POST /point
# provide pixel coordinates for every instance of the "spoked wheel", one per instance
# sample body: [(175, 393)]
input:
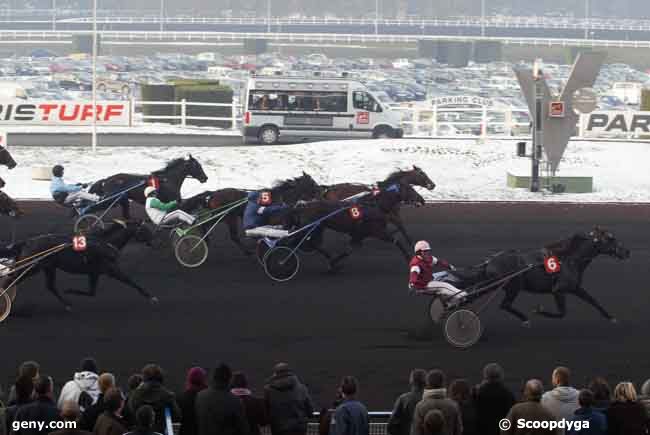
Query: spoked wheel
[(5, 305), (191, 251), (281, 263), (436, 309), (261, 248), (88, 222), (463, 328)]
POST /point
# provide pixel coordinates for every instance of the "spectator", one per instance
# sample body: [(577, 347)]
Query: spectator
[(254, 407), (83, 387), (435, 397), (561, 401), (626, 415), (43, 409), (135, 380), (27, 368), (587, 415), (402, 415), (106, 381), (24, 394), (602, 393), (287, 402), (153, 392), (434, 423), (645, 395), (111, 422), (145, 417), (461, 392), (351, 416), (3, 416), (196, 381), (70, 413), (530, 410), (493, 399), (218, 411)]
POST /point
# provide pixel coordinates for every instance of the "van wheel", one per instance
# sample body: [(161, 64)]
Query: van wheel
[(381, 133), (269, 135)]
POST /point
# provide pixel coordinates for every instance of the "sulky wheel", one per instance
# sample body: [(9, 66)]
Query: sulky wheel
[(191, 251), (281, 263), (5, 305), (87, 222), (436, 310), (462, 328)]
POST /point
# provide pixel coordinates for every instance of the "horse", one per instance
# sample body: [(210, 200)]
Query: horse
[(575, 254), (100, 257), (290, 191), (6, 158), (415, 177), (370, 221), (169, 181)]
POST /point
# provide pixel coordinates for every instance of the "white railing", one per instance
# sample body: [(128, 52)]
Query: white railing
[(138, 118)]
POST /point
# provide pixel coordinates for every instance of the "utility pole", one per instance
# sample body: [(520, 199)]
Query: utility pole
[(162, 15), (94, 77), (587, 14), (538, 129)]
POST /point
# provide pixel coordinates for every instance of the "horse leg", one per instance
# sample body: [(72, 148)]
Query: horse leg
[(334, 265), (506, 305), (582, 294), (397, 222), (116, 273), (560, 301), (93, 279), (386, 237), (50, 283)]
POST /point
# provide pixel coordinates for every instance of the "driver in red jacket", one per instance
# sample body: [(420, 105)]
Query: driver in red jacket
[(422, 280)]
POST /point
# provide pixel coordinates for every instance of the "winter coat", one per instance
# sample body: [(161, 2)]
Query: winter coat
[(493, 401), (562, 402), (437, 399), (42, 409), (10, 414), (256, 215), (110, 424), (351, 418), (529, 411), (157, 396), (402, 415), (187, 403), (219, 412), (81, 382), (254, 408), (89, 416), (469, 417), (288, 404), (627, 418), (595, 419)]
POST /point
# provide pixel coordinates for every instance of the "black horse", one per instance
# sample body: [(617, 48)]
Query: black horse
[(100, 257), (575, 254), (369, 218), (6, 159), (169, 181), (302, 188), (415, 177)]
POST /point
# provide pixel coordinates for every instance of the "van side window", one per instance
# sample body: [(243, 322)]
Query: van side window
[(364, 101)]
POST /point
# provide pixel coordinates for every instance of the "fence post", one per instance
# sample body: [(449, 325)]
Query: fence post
[(234, 115), (131, 111), (183, 113), (434, 121), (484, 123)]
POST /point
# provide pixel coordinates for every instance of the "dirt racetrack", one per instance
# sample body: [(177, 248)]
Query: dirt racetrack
[(360, 321)]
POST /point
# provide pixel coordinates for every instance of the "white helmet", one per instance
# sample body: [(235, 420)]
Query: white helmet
[(422, 245), (149, 190)]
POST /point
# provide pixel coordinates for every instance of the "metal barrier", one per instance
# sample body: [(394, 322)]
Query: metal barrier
[(137, 118)]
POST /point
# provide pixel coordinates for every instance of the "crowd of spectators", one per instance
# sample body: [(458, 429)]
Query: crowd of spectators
[(223, 403)]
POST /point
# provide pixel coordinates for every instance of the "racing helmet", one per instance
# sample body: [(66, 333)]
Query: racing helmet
[(57, 171), (149, 190), (422, 245)]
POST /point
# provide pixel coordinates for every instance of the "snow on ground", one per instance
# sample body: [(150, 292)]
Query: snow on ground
[(462, 170)]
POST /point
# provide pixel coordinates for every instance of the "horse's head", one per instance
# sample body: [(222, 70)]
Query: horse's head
[(606, 243), (6, 158), (194, 169), (420, 178), (410, 196), (302, 188)]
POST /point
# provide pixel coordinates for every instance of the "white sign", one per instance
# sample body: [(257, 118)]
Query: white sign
[(613, 122), (461, 100), (38, 112)]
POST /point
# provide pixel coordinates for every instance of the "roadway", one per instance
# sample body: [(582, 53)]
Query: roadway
[(360, 321)]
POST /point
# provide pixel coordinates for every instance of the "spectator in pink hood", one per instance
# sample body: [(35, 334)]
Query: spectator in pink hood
[(196, 380)]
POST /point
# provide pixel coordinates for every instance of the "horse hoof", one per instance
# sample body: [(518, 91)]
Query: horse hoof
[(154, 300), (526, 324)]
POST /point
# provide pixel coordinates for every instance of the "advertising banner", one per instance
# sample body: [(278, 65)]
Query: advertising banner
[(60, 112)]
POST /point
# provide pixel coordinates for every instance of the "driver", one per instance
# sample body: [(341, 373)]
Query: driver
[(422, 280), (164, 212), (68, 193), (258, 213)]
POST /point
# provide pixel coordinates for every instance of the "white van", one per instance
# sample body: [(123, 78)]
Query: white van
[(314, 108)]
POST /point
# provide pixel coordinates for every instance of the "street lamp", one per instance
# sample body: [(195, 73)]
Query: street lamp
[(587, 14), (162, 14)]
